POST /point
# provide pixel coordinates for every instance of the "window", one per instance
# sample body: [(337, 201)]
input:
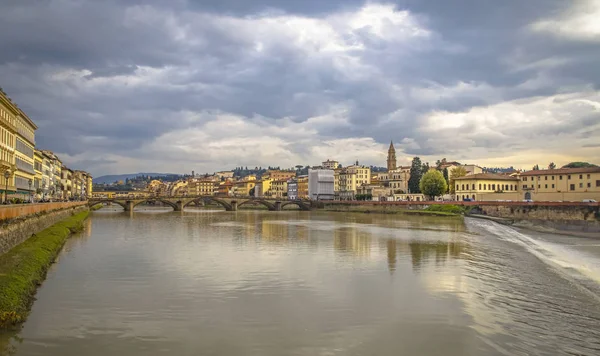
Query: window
[(552, 186), (572, 187), (560, 177), (463, 187), (598, 183), (580, 185), (524, 179), (493, 186), (539, 186), (545, 177), (473, 186), (589, 185), (569, 177), (552, 177), (581, 176), (546, 186), (588, 176), (479, 186)]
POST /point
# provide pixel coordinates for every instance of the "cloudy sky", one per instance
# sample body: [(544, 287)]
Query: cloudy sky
[(122, 86)]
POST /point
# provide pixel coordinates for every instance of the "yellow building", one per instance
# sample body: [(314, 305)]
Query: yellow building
[(24, 155), (38, 160), (303, 187), (8, 129), (278, 189), (348, 184), (363, 174), (476, 186), (564, 184), (280, 175), (263, 187), (89, 185), (243, 188)]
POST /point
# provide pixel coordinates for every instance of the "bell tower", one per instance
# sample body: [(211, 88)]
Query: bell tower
[(391, 159)]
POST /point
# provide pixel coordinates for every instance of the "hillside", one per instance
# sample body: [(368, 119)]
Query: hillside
[(114, 178)]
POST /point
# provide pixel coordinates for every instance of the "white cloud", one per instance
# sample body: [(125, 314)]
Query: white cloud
[(581, 22)]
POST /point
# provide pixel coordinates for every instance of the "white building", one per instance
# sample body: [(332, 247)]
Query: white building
[(321, 184), (292, 189)]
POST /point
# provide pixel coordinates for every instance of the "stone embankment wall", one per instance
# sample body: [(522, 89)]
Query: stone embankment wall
[(560, 217), (19, 222)]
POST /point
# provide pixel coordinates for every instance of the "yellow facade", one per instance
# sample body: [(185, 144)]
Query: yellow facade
[(8, 129), (566, 184), (243, 188), (363, 174), (24, 174), (263, 187), (39, 171), (280, 175), (278, 189), (348, 184), (476, 185), (303, 187)]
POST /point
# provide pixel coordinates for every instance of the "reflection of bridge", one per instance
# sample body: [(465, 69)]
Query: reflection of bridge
[(178, 203)]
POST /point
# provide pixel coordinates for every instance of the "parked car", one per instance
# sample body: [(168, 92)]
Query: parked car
[(590, 201)]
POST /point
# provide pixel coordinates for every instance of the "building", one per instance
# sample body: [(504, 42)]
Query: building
[(329, 164), (8, 129), (54, 175), (225, 189), (38, 168), (564, 184), (279, 189), (374, 192), (321, 184), (262, 187), (363, 174), (24, 174), (477, 186), (397, 180), (243, 188), (292, 189), (66, 183), (47, 175), (472, 169), (89, 185), (280, 175), (347, 184), (391, 158), (224, 175), (303, 187)]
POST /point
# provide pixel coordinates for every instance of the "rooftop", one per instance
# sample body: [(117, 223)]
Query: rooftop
[(561, 171), (487, 176)]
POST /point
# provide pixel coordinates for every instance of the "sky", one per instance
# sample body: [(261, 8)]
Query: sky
[(124, 86)]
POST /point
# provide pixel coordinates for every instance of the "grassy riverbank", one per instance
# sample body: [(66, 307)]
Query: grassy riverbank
[(433, 210), (24, 267)]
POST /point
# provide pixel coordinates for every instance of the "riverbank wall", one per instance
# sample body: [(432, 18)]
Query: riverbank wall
[(24, 267), (561, 216), (19, 222)]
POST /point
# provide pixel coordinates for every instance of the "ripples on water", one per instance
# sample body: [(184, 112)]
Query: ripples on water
[(294, 283)]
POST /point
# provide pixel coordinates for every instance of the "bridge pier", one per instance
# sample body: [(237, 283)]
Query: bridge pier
[(178, 206), (277, 206), (234, 205), (129, 205)]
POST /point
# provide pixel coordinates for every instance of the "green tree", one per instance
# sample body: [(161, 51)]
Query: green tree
[(433, 184), (416, 172), (552, 165), (445, 173), (579, 165), (536, 168), (456, 172)]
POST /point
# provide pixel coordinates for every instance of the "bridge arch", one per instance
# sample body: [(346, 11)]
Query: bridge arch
[(226, 205), (166, 202), (259, 201), (92, 203), (302, 205)]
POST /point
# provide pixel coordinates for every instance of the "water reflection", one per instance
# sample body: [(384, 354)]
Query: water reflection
[(297, 283)]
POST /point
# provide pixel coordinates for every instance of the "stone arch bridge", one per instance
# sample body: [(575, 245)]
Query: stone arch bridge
[(179, 203)]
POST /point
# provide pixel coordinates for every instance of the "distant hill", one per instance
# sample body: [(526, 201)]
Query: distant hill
[(114, 178)]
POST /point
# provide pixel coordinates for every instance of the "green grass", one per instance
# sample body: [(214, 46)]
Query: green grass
[(24, 267), (450, 209)]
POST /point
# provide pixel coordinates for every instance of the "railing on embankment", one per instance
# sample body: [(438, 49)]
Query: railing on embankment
[(461, 203), (21, 210)]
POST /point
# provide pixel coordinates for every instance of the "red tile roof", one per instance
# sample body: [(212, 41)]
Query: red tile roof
[(487, 176), (561, 171)]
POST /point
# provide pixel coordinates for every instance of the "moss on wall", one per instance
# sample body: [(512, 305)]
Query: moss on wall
[(24, 267)]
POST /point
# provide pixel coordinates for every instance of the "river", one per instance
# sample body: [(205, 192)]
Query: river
[(204, 282)]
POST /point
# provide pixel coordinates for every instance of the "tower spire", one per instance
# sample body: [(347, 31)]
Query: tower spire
[(391, 159)]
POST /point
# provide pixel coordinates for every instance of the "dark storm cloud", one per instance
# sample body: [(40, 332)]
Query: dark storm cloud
[(112, 76)]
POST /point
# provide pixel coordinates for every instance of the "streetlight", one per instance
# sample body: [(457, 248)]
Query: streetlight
[(6, 175), (30, 196)]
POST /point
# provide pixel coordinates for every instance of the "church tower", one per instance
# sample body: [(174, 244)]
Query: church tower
[(391, 160)]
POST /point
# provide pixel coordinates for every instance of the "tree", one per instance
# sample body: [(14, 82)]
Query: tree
[(415, 176), (456, 172), (536, 168), (579, 165), (433, 184), (445, 173), (552, 165)]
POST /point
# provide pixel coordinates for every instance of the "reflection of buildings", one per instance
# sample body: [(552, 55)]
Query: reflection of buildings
[(391, 254), (422, 253), (350, 240)]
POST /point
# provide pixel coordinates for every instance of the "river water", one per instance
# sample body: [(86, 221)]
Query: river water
[(203, 282)]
